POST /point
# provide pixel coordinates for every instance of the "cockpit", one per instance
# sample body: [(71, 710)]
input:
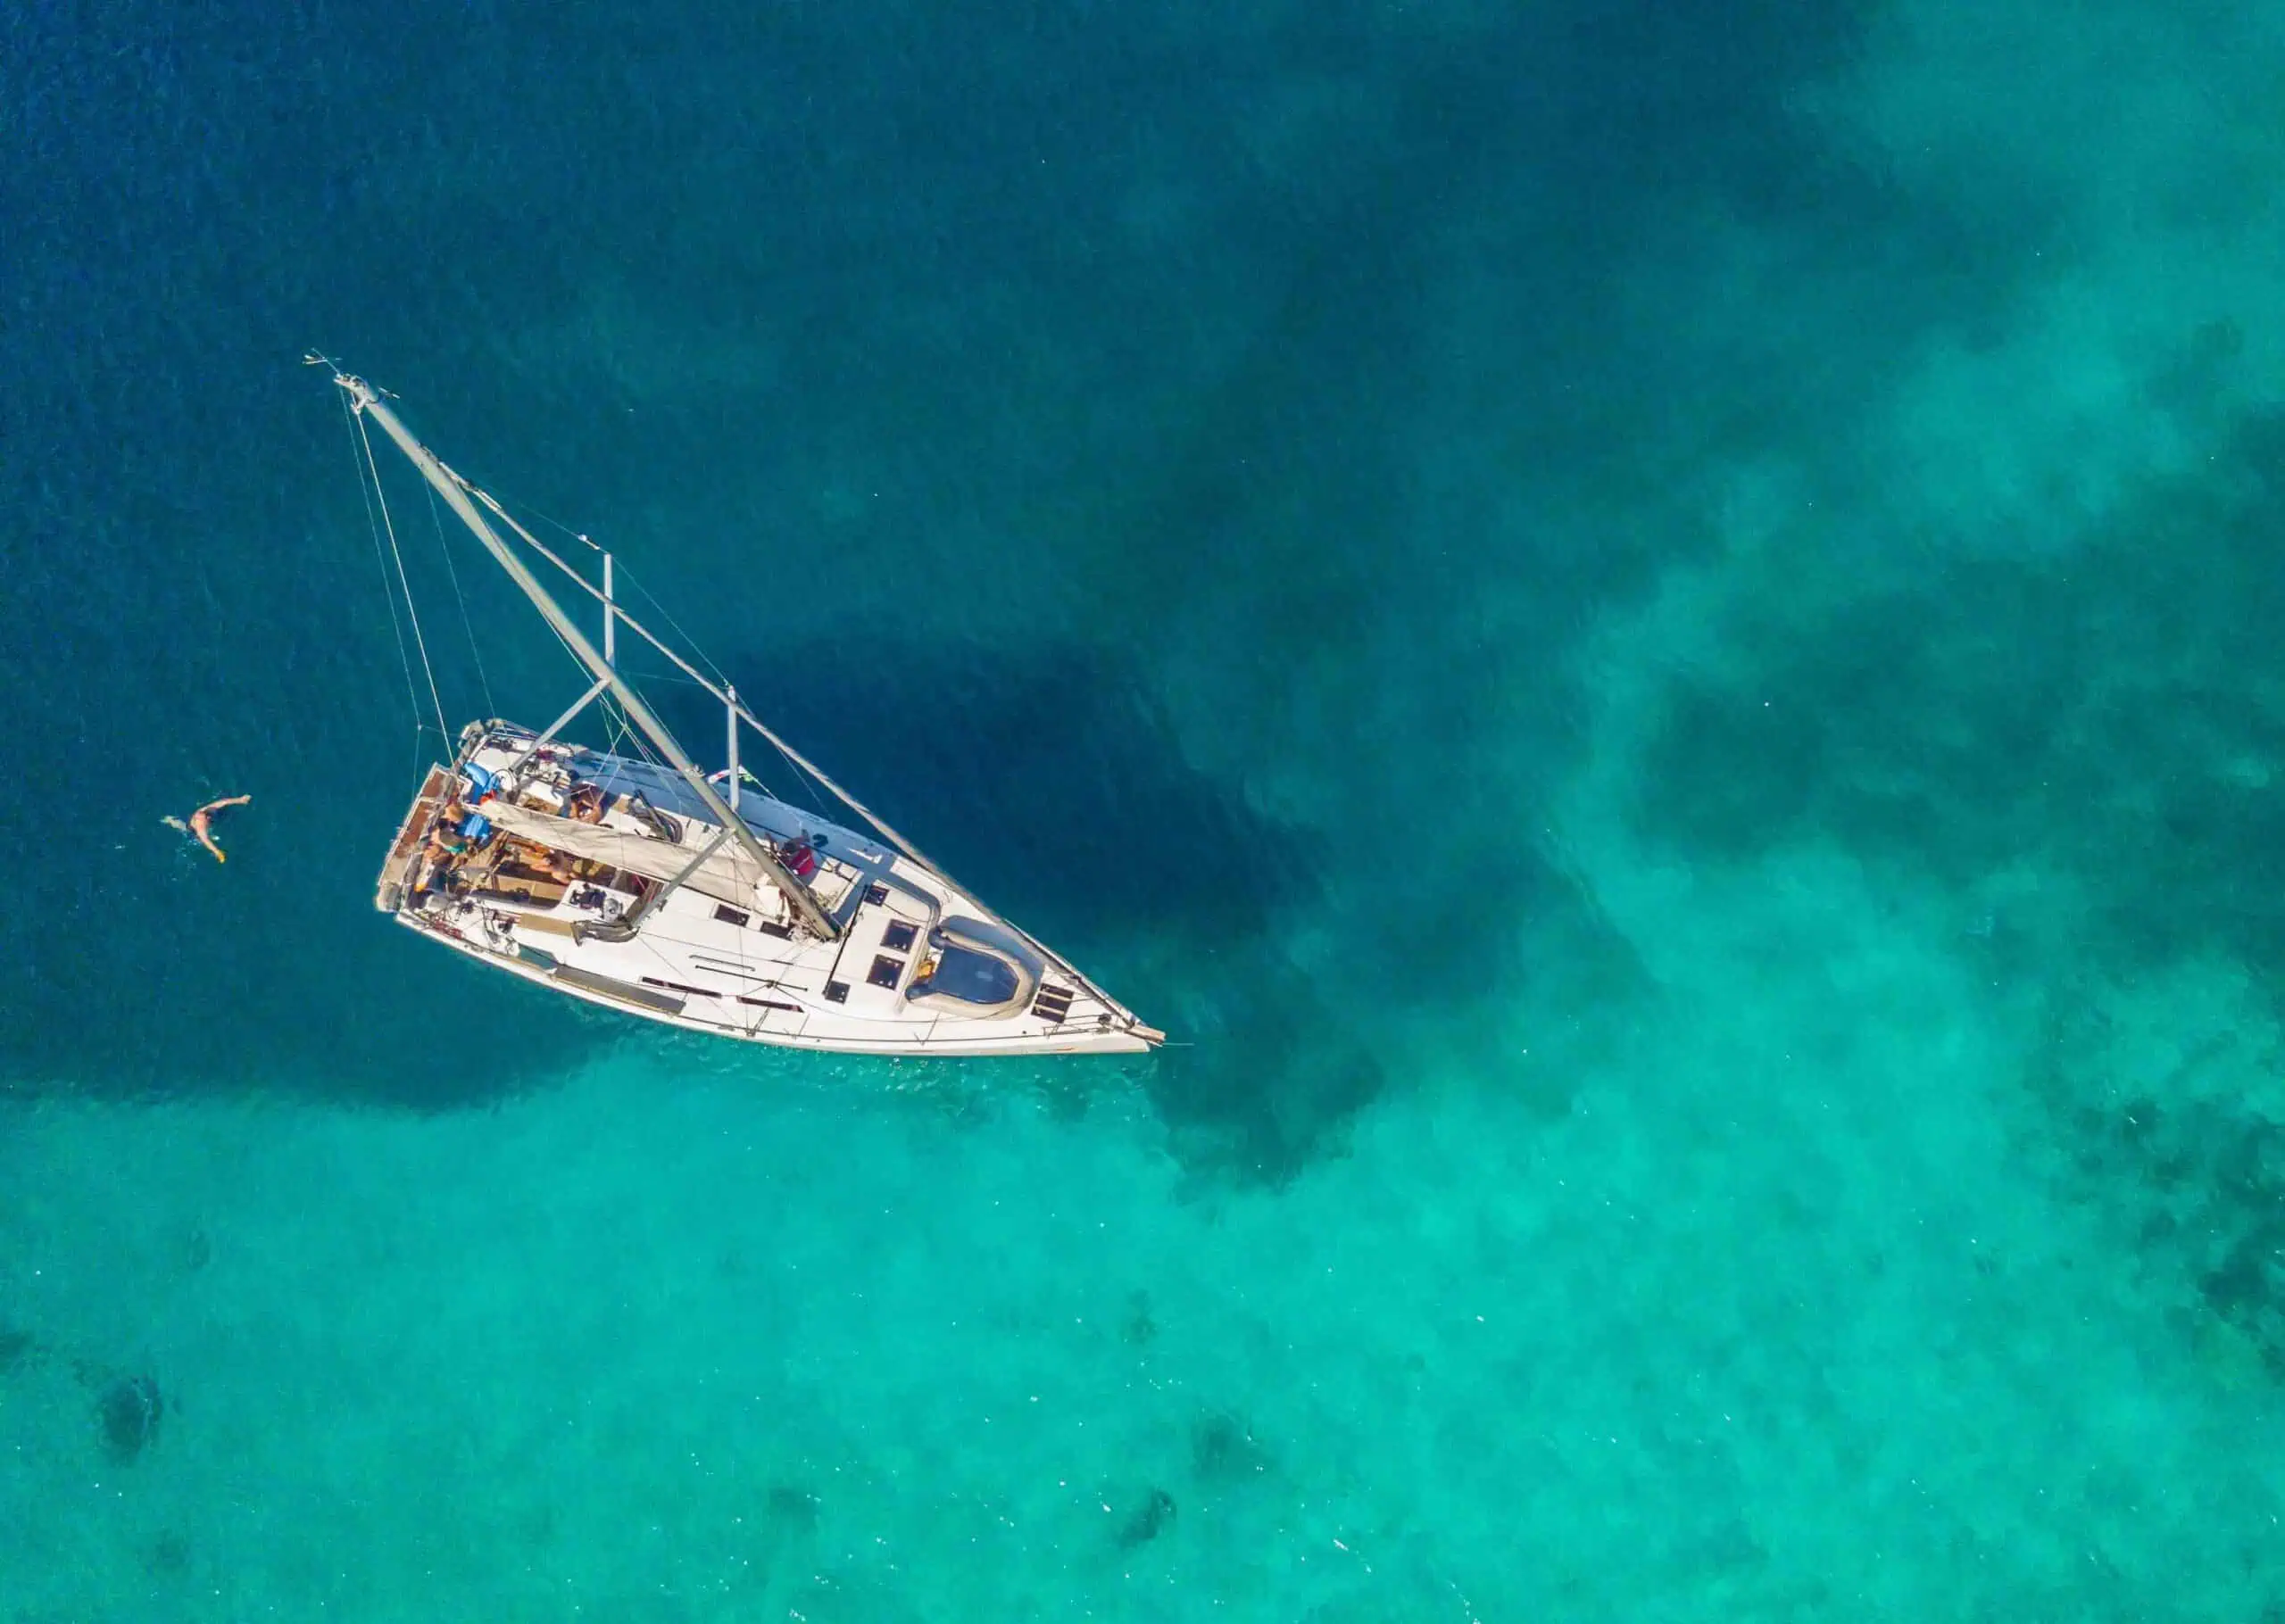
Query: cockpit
[(976, 969)]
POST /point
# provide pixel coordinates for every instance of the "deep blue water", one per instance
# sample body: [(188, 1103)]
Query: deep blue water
[(689, 286), (1650, 631)]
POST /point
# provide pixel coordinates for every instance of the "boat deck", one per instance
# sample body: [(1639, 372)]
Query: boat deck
[(912, 969)]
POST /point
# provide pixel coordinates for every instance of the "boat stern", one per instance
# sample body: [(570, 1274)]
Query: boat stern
[(404, 850)]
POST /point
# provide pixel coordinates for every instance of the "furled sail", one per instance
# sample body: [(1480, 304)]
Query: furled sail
[(728, 875)]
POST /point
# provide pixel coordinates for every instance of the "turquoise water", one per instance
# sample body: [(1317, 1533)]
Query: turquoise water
[(1652, 635)]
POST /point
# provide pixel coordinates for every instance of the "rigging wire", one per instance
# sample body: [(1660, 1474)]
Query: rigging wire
[(478, 494), (620, 568), (552, 522), (412, 613), (396, 621), (569, 653), (619, 732), (622, 731), (474, 652), (688, 642)]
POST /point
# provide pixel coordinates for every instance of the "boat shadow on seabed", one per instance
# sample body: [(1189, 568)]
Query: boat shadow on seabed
[(1063, 790)]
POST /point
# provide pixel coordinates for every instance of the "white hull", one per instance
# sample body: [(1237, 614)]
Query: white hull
[(730, 959), (951, 1046)]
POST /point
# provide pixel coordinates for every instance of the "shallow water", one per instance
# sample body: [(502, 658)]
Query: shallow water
[(1652, 638)]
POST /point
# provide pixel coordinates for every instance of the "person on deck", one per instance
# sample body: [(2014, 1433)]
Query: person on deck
[(586, 803), (540, 859), (444, 837), (200, 826)]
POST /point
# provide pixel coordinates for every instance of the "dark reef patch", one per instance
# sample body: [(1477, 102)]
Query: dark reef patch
[(168, 1556), (1138, 1327), (1223, 1449), (791, 1509), (2111, 717), (1098, 835), (2180, 1153), (1148, 1521), (2115, 713), (130, 1409)]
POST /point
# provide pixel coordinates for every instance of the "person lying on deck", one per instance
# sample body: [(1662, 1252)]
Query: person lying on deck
[(540, 859), (200, 826)]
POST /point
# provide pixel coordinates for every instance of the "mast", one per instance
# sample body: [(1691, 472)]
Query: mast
[(611, 618), (732, 780), (448, 485)]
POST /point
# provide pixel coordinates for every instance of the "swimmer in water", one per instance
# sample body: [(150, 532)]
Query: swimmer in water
[(200, 826)]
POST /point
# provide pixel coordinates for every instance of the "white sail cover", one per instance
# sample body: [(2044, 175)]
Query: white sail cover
[(728, 875)]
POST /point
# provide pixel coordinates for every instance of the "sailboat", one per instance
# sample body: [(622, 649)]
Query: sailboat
[(643, 883)]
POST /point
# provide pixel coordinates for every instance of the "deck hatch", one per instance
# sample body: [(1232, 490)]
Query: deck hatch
[(900, 936), (886, 972), (627, 992), (696, 992)]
